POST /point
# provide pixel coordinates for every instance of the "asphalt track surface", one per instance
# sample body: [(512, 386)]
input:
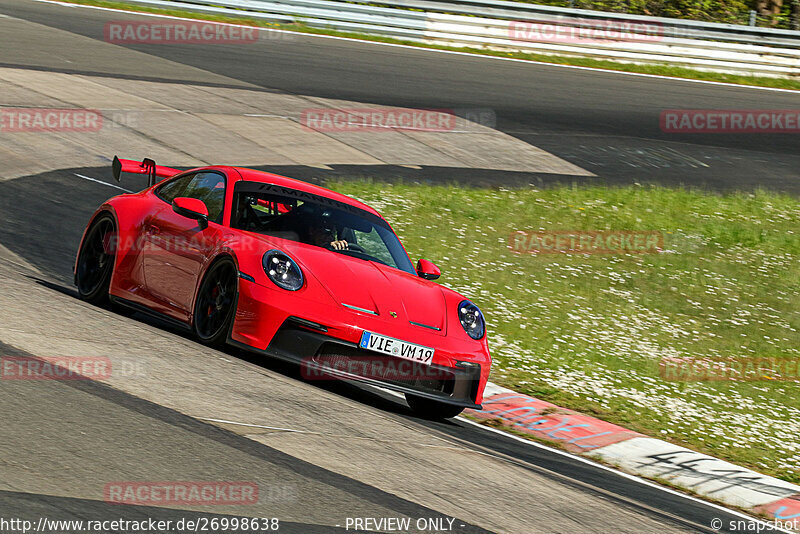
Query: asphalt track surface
[(606, 123), (57, 435)]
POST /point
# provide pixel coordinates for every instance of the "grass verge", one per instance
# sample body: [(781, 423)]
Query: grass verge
[(588, 332), (661, 70)]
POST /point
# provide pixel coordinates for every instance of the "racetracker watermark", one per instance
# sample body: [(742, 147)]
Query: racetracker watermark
[(178, 32), (730, 369), (389, 119), (326, 367), (50, 120), (586, 242), (175, 244), (181, 493), (730, 121), (54, 368), (585, 31), (378, 119)]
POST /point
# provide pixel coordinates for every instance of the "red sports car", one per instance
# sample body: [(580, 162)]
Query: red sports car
[(290, 270)]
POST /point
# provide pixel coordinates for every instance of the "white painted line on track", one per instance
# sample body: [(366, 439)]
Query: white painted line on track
[(264, 115), (435, 50), (223, 421), (101, 182)]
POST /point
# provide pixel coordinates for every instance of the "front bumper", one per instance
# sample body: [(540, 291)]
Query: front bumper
[(323, 357), (305, 328)]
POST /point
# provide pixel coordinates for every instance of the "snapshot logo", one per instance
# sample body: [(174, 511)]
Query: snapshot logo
[(54, 368), (177, 32), (730, 121), (586, 242), (585, 31), (752, 369), (761, 525), (181, 493), (50, 120)]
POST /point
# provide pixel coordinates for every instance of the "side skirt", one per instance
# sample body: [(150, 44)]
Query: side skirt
[(135, 306)]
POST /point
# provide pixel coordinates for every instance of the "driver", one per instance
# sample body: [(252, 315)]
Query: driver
[(320, 231), (243, 217)]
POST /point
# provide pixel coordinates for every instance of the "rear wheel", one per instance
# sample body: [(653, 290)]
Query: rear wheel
[(431, 409), (215, 303), (96, 261)]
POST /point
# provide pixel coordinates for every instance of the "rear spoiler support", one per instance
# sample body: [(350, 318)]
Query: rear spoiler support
[(146, 166)]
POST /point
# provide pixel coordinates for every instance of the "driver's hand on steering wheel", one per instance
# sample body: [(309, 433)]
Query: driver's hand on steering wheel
[(339, 245)]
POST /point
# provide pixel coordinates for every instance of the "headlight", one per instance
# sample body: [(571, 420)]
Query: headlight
[(471, 319), (282, 270)]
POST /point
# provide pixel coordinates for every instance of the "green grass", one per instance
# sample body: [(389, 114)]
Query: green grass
[(587, 332), (661, 70)]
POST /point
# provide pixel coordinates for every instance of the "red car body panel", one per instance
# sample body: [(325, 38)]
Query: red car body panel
[(161, 258)]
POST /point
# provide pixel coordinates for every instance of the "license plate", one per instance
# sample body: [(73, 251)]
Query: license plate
[(396, 347)]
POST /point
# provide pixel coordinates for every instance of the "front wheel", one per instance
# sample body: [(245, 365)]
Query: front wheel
[(215, 303), (96, 261), (431, 409)]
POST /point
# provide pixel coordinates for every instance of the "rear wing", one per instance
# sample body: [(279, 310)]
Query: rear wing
[(146, 166)]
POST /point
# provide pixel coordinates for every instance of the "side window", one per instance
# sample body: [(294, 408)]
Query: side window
[(373, 245), (174, 188), (210, 188)]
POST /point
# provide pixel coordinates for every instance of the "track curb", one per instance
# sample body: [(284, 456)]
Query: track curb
[(644, 456)]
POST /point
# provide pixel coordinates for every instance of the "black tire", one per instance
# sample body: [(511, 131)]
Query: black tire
[(431, 409), (96, 259), (215, 304)]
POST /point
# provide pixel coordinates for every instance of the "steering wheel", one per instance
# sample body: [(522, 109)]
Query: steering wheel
[(357, 248)]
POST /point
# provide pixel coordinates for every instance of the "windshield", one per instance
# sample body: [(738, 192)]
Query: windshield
[(315, 220)]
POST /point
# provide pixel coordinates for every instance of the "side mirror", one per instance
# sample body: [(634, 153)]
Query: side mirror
[(428, 270), (191, 208)]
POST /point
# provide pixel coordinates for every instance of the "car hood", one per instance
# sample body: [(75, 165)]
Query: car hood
[(374, 287)]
